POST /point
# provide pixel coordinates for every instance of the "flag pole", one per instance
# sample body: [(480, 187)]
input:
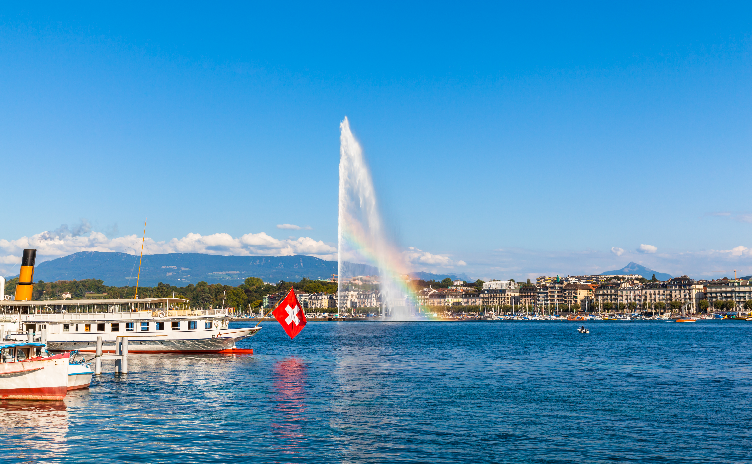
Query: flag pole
[(273, 309)]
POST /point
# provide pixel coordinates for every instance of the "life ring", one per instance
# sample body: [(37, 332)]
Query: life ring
[(160, 314)]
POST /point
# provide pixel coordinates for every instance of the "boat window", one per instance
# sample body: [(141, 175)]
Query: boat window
[(66, 327), (144, 326), (100, 327), (192, 325), (160, 325), (208, 325), (114, 327), (176, 325), (129, 326), (87, 327), (76, 328)]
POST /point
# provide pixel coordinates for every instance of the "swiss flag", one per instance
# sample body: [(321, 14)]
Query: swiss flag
[(290, 315)]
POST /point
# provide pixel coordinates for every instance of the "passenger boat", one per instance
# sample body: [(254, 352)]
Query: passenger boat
[(28, 374), (152, 325), (685, 320)]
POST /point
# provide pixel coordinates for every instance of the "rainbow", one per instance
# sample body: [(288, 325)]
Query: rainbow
[(360, 232)]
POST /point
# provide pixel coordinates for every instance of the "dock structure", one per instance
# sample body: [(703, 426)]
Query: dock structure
[(120, 356)]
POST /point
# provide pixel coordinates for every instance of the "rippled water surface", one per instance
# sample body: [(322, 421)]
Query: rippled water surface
[(426, 392)]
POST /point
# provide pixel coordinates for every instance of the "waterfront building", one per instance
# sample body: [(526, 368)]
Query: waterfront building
[(499, 285), (736, 290), (527, 295), (574, 294)]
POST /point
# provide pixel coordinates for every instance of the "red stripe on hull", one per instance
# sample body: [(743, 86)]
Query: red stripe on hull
[(78, 387), (41, 393), (237, 351), (228, 351)]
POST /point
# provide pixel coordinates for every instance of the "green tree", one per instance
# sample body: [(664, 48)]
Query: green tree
[(236, 298), (202, 295), (654, 278), (660, 305), (446, 282), (675, 305), (747, 305), (253, 282), (632, 306), (479, 284), (704, 305)]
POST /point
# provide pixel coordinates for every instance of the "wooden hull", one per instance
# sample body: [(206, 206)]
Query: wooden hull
[(44, 379), (79, 376)]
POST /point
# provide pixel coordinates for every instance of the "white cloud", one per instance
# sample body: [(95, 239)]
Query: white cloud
[(738, 217), (293, 227), (421, 259), (617, 251), (646, 249), (520, 263), (55, 244)]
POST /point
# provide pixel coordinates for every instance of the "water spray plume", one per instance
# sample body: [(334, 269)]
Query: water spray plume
[(361, 234)]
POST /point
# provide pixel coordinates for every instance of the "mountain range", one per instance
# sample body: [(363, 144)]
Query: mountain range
[(635, 268), (181, 269)]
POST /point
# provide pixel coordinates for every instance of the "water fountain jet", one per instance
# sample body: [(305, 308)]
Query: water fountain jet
[(362, 237)]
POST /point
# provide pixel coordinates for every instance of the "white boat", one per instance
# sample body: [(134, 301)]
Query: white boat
[(79, 374), (152, 325), (27, 374)]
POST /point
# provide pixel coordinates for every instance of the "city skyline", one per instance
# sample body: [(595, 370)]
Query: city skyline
[(500, 148)]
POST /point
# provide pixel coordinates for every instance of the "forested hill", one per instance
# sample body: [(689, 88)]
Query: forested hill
[(180, 269)]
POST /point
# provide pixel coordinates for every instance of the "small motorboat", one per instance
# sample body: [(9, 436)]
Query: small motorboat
[(583, 330), (685, 320), (29, 373), (79, 372)]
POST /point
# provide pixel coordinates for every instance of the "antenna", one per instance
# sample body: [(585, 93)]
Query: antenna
[(136, 295)]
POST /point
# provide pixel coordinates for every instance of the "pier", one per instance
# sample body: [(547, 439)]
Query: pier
[(120, 356)]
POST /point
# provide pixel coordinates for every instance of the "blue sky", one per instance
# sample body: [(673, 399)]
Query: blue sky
[(517, 139)]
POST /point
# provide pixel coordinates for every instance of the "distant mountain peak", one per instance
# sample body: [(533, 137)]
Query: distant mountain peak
[(636, 268)]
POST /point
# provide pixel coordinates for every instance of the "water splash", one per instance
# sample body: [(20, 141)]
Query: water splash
[(361, 234)]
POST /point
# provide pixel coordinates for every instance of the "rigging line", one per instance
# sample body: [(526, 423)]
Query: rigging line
[(136, 295)]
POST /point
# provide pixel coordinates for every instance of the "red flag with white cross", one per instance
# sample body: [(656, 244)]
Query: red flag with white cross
[(290, 315)]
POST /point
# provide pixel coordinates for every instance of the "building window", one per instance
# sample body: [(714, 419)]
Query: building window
[(192, 325), (87, 327), (176, 325), (208, 325), (160, 326), (66, 327), (145, 326), (129, 326), (114, 327), (100, 327)]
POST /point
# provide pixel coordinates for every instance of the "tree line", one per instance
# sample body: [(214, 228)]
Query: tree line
[(248, 295)]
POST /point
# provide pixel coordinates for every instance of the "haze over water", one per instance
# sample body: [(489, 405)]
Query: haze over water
[(418, 391)]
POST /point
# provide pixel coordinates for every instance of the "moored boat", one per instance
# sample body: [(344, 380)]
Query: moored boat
[(28, 374), (685, 320), (152, 325), (79, 374)]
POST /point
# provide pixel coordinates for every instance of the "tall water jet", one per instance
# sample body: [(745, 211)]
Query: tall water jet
[(361, 234)]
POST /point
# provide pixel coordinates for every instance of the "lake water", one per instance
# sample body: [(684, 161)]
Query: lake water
[(416, 392)]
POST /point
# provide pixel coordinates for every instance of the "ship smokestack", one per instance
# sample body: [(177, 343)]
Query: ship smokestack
[(26, 277)]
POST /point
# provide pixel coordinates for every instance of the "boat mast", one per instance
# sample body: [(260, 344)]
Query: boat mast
[(136, 295)]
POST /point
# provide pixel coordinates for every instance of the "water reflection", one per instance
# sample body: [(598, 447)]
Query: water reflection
[(290, 404), (33, 430)]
